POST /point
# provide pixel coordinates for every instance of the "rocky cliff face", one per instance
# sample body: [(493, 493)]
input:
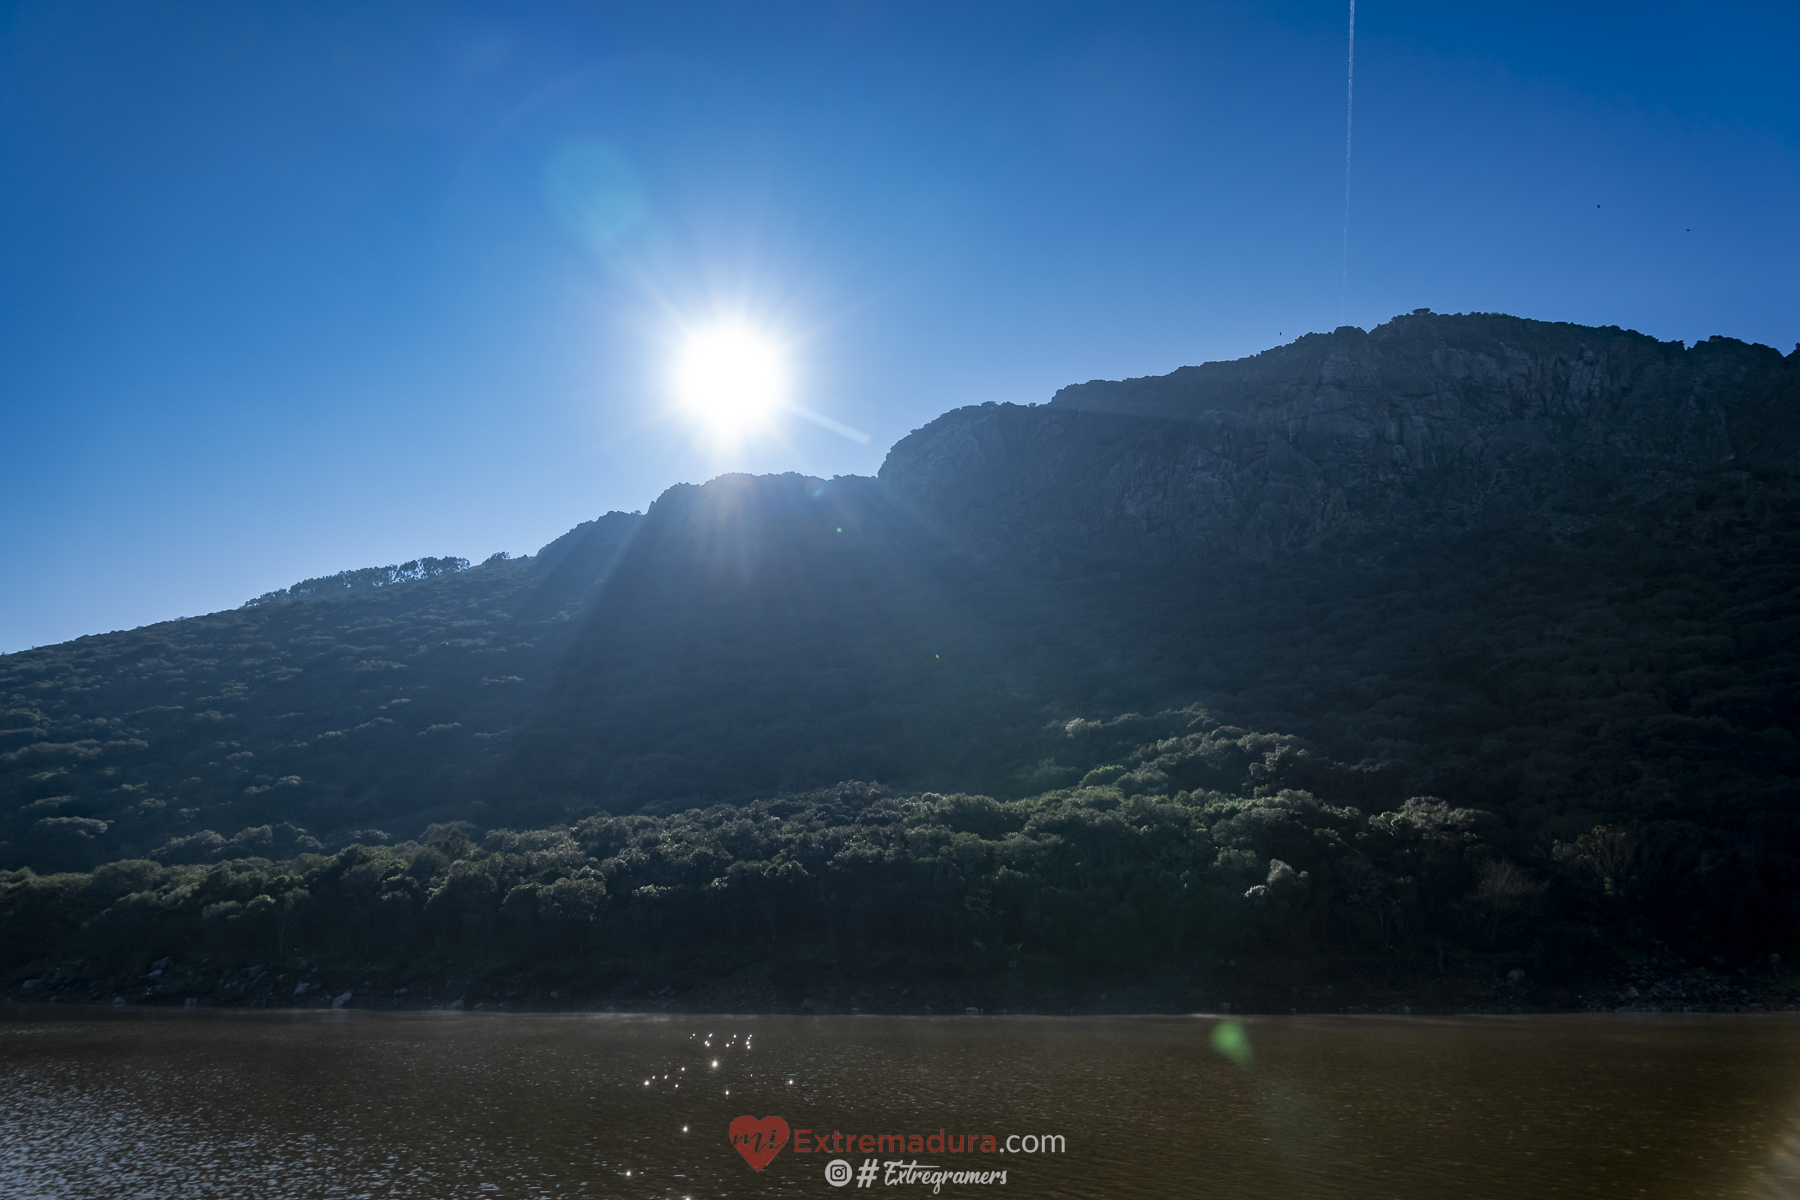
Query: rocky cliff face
[(1426, 423)]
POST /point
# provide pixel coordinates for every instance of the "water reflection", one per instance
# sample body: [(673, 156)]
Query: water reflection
[(98, 1104)]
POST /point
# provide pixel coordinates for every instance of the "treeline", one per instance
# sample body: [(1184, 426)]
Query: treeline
[(1082, 878), (365, 578)]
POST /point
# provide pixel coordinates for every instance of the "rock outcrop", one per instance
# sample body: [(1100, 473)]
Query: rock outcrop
[(1427, 423)]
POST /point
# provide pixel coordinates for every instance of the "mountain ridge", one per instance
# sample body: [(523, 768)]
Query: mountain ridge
[(1225, 664), (1592, 545), (1447, 422)]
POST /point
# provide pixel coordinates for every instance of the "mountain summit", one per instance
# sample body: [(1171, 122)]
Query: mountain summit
[(1428, 423)]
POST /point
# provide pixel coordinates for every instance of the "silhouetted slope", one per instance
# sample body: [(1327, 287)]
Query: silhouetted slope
[(1540, 570), (327, 714), (781, 633)]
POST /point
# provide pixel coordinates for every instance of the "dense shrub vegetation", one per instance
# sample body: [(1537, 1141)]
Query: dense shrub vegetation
[(1086, 876), (1143, 866)]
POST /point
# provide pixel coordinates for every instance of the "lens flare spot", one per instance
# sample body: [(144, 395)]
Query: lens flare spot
[(1229, 1039)]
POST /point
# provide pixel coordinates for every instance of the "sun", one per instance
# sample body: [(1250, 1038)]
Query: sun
[(730, 378)]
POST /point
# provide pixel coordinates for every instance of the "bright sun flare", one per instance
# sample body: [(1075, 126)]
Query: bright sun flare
[(730, 378)]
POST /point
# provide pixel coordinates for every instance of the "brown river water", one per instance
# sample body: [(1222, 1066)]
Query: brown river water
[(153, 1103)]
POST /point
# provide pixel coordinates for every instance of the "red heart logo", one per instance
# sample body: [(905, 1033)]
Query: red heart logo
[(759, 1141)]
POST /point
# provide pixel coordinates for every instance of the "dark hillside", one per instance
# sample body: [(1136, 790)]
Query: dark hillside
[(1467, 635), (784, 633), (342, 710)]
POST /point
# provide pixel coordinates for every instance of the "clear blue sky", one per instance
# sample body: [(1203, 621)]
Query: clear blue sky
[(291, 288)]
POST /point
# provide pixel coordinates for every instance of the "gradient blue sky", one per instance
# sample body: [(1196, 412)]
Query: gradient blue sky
[(292, 288)]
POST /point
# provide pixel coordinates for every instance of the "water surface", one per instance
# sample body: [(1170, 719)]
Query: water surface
[(437, 1105)]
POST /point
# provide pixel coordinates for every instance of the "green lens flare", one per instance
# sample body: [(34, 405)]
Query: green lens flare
[(1229, 1039)]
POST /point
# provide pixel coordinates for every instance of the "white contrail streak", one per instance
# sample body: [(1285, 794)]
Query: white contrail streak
[(1349, 113)]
